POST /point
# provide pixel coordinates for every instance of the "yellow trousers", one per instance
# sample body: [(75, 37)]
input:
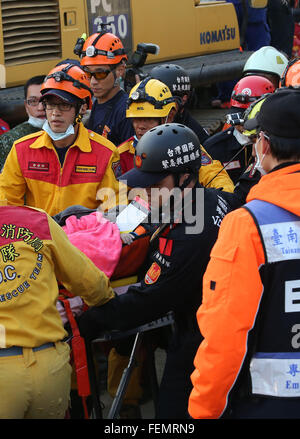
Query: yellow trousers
[(36, 385)]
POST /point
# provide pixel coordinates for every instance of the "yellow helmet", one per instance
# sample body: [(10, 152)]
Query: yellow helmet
[(150, 98), (252, 111)]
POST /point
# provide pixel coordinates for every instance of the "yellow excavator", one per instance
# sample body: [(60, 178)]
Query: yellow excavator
[(201, 36)]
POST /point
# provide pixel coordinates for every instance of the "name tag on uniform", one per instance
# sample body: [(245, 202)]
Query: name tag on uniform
[(276, 374), (235, 164), (85, 169)]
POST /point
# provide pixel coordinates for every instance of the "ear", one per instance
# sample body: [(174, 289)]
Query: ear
[(83, 109), (265, 146), (120, 70), (183, 177), (171, 115), (184, 99), (26, 107)]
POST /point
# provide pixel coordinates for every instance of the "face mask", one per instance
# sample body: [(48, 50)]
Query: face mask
[(58, 136), (36, 122), (258, 164)]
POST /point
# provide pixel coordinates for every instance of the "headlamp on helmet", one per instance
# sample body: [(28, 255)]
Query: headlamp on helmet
[(156, 98), (69, 78), (101, 48)]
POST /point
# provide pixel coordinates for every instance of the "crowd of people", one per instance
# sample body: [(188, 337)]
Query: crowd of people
[(222, 246)]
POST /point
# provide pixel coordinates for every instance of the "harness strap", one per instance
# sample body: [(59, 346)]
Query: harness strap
[(79, 357)]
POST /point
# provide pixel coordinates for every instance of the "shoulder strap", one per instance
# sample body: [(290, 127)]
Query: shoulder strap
[(79, 357)]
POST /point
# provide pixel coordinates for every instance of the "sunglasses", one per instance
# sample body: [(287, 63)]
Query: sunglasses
[(98, 75)]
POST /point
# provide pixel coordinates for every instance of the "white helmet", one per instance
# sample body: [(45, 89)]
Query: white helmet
[(267, 59)]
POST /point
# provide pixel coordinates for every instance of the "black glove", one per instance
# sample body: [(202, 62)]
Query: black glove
[(90, 323)]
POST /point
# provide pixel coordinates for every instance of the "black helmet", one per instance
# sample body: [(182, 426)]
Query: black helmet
[(166, 149), (174, 76)]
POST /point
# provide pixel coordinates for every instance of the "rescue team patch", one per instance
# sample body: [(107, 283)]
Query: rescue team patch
[(205, 159), (38, 166), (105, 131), (116, 167), (86, 169), (152, 274)]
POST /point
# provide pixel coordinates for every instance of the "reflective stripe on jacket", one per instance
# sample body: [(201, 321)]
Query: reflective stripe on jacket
[(232, 294)]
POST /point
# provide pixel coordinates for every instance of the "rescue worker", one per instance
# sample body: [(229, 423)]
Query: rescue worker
[(268, 62), (36, 117), (150, 104), (34, 359), (251, 285), (179, 254), (65, 164), (103, 58), (179, 83), (254, 34), (230, 146), (282, 26), (249, 114)]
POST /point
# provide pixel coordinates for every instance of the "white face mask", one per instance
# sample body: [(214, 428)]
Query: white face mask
[(58, 136), (258, 164), (36, 122)]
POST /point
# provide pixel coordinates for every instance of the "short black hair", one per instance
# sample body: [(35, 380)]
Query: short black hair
[(35, 80), (284, 149)]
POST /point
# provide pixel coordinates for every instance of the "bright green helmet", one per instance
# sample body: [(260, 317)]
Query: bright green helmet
[(251, 112)]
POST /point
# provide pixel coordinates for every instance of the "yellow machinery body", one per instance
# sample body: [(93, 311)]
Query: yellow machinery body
[(37, 34)]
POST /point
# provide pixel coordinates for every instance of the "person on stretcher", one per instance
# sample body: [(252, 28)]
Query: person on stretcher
[(115, 241)]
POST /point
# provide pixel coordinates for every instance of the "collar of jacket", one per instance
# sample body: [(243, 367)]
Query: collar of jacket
[(82, 140)]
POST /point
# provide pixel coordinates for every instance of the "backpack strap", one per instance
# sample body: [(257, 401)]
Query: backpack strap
[(79, 357)]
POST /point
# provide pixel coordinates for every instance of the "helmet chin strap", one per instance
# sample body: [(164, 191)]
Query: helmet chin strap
[(162, 226), (184, 185)]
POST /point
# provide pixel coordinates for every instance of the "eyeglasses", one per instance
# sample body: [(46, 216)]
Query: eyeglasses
[(62, 106), (98, 75), (33, 102)]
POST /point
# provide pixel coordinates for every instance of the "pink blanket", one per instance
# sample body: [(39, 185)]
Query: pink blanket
[(98, 238)]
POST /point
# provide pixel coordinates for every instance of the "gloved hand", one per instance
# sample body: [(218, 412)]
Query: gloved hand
[(90, 323), (127, 238)]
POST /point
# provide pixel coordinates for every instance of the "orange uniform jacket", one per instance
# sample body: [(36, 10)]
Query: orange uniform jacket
[(209, 169), (32, 170), (232, 290)]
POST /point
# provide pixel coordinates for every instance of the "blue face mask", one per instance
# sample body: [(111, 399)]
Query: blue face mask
[(58, 136)]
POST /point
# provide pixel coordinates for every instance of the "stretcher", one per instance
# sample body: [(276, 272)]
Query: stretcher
[(120, 286)]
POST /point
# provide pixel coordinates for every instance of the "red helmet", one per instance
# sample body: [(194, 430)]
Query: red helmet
[(249, 89)]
